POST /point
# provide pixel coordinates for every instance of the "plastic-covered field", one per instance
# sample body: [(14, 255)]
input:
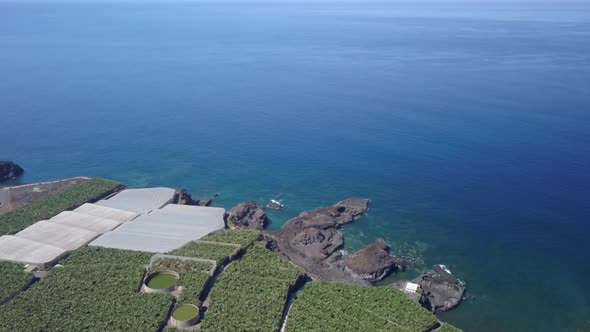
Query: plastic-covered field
[(118, 215), (140, 201), (47, 241), (91, 223), (64, 237), (16, 249), (164, 229)]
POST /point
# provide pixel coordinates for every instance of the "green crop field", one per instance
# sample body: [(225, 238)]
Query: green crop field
[(52, 204), (193, 277), (12, 279), (242, 237), (448, 328), (251, 293), (329, 306), (213, 251), (95, 290)]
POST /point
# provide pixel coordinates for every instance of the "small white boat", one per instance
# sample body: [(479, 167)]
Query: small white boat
[(274, 204)]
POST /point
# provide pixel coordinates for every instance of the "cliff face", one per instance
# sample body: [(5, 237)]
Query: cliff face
[(9, 170)]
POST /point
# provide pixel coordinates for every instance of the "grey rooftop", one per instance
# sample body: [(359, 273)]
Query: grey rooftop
[(140, 201), (118, 215), (164, 229)]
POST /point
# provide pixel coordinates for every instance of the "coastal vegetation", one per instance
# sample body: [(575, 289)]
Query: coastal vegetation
[(12, 279), (53, 204), (96, 289), (251, 293), (345, 307), (242, 237), (213, 251), (448, 328)]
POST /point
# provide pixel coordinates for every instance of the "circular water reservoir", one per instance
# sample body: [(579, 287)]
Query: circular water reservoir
[(185, 315), (161, 282)]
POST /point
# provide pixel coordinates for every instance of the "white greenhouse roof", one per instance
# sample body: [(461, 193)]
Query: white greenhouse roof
[(106, 212), (64, 237), (84, 221), (165, 229), (16, 249), (140, 201)]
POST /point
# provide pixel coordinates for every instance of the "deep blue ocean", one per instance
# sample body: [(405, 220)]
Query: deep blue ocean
[(467, 125)]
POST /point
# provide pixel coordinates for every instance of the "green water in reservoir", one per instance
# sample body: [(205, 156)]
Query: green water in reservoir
[(185, 312), (162, 281)]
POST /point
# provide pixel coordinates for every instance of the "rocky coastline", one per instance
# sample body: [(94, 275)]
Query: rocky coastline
[(9, 170), (313, 241)]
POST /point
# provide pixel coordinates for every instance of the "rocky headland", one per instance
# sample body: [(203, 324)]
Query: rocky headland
[(183, 197), (247, 215), (439, 289), (9, 170), (374, 262), (313, 240)]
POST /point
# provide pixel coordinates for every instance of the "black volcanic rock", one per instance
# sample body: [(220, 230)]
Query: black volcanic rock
[(317, 243), (204, 202), (247, 215), (441, 290), (373, 262), (311, 240), (9, 170), (185, 198)]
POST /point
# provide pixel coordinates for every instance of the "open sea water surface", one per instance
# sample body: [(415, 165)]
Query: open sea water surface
[(467, 125)]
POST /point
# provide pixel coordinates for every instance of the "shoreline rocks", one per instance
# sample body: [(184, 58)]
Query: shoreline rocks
[(9, 170), (441, 291), (312, 240), (183, 197), (374, 262), (247, 215)]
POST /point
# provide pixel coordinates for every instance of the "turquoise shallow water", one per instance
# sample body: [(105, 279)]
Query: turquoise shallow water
[(466, 125)]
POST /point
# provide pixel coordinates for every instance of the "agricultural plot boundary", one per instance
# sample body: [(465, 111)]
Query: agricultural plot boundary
[(345, 307), (49, 206), (14, 280), (250, 294), (96, 289)]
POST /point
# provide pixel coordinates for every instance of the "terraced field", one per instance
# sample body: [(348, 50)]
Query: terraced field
[(95, 290), (12, 279), (448, 328), (329, 306), (242, 237), (213, 251), (251, 293)]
